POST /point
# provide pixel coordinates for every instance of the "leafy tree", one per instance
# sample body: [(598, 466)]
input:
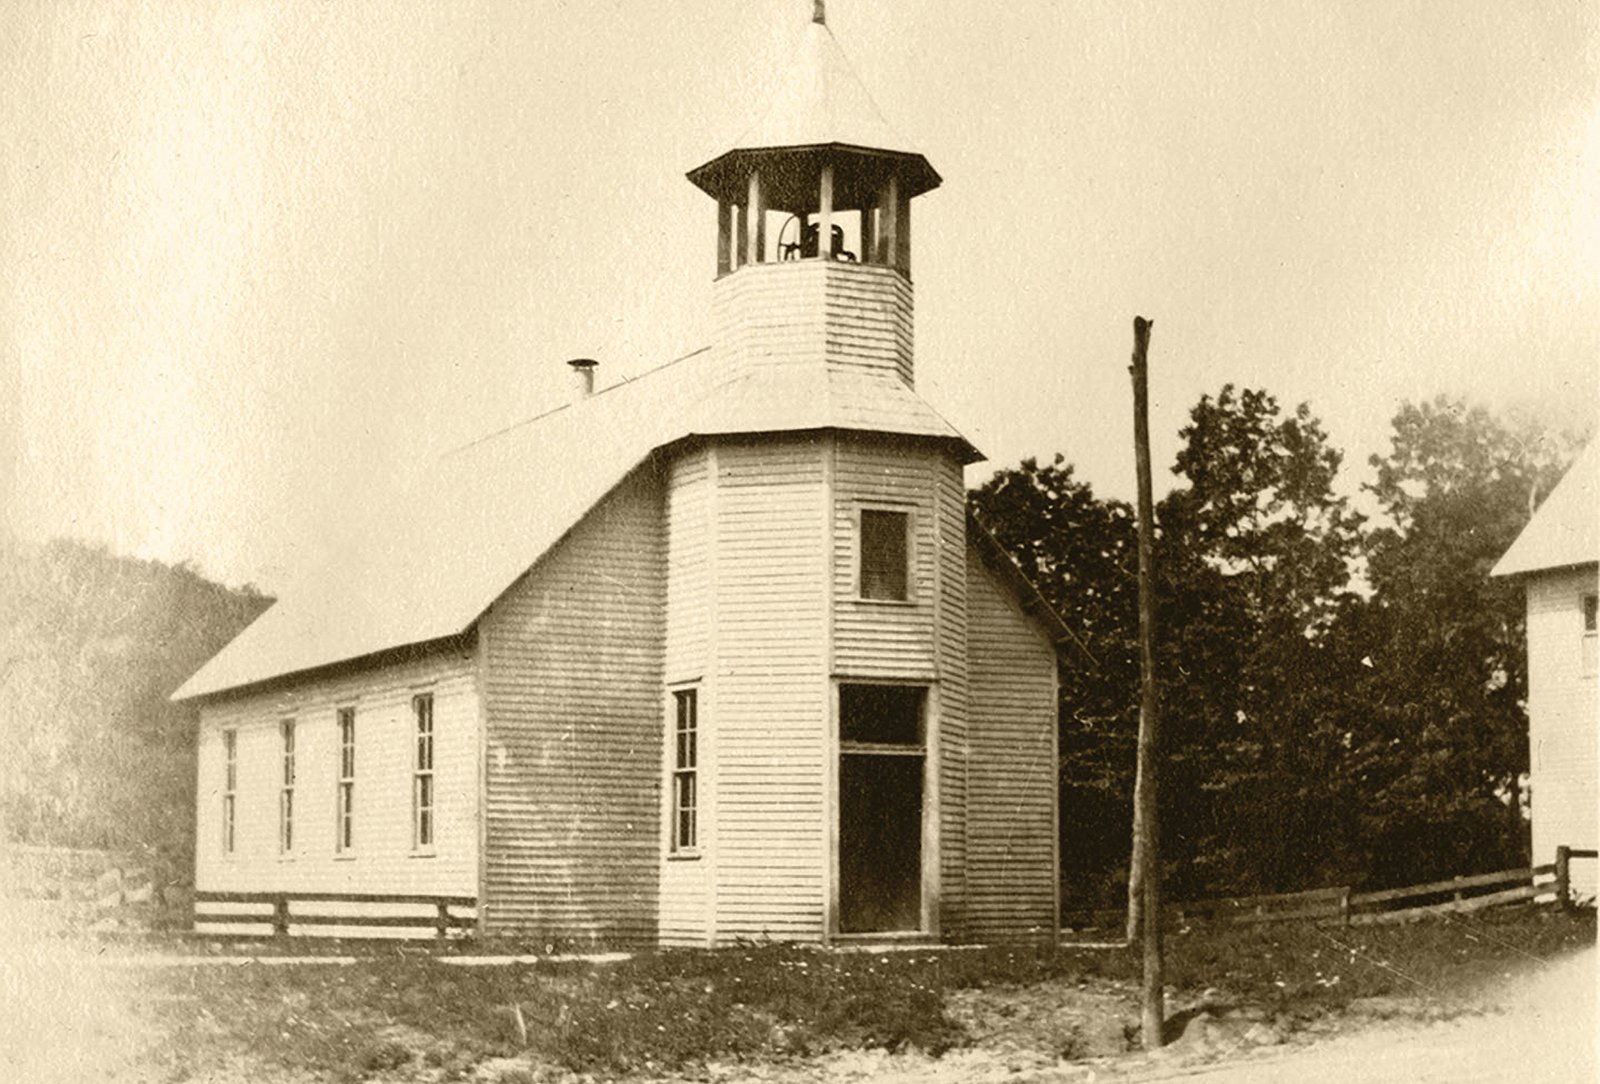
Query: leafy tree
[(1253, 557), (1342, 704), (1256, 558), (1445, 745)]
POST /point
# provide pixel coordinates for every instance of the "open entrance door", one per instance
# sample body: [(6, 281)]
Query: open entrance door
[(881, 758)]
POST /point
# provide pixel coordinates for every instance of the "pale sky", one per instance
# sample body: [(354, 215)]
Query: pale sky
[(259, 259)]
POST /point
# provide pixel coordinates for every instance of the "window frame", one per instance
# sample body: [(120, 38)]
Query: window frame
[(344, 831), (286, 736), (870, 747), (1589, 626), (907, 517), (683, 773), (230, 790), (424, 826)]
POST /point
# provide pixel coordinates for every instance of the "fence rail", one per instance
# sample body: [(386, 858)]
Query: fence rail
[(282, 917), (1341, 905)]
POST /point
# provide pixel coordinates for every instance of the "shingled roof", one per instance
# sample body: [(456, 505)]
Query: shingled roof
[(486, 512), (1566, 529)]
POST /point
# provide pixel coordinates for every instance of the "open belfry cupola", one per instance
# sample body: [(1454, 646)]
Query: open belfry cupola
[(822, 175), (814, 226)]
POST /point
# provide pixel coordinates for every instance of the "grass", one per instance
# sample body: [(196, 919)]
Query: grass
[(671, 1010)]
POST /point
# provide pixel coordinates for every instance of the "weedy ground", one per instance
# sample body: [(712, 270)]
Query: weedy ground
[(409, 1017)]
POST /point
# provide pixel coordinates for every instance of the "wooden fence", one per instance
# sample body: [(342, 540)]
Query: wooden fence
[(1343, 906), (278, 911)]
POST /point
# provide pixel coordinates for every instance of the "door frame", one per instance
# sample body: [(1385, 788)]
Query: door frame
[(929, 881)]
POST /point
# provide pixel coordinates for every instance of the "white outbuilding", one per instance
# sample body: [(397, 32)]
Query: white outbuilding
[(1557, 557)]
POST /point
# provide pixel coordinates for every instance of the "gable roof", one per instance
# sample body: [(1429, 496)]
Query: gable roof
[(485, 513), (1565, 530)]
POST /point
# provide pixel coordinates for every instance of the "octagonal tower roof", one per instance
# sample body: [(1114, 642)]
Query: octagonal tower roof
[(819, 104)]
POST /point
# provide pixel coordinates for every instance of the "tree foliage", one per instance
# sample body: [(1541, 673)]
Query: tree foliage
[(91, 646), (1446, 738), (1344, 700)]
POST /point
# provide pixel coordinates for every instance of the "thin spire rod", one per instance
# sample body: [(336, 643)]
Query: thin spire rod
[(819, 12)]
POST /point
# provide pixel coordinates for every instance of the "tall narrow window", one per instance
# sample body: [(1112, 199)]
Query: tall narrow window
[(883, 554), (1591, 634), (286, 791), (344, 829), (685, 771), (230, 785), (422, 774)]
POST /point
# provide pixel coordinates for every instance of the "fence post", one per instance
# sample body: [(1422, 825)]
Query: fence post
[(1563, 883), (442, 925), (280, 916), (1344, 906)]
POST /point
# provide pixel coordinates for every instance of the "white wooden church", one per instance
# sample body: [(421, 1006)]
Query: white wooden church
[(713, 654)]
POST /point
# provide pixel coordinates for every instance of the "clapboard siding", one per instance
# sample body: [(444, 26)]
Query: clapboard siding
[(875, 639), (382, 859), (951, 617), (1564, 720), (869, 318), (688, 565), (685, 882), (573, 696), (922, 639), (1011, 773), (855, 317), (770, 690)]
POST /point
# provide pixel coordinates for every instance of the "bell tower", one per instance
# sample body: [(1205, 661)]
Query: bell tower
[(814, 224)]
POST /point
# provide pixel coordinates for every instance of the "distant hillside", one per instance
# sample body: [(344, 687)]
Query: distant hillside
[(91, 645)]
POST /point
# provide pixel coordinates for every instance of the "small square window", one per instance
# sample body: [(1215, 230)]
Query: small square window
[(883, 554)]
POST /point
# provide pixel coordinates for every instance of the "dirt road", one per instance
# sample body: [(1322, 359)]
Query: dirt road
[(1542, 1027)]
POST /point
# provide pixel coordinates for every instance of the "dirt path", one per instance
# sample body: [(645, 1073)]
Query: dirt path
[(1539, 1027)]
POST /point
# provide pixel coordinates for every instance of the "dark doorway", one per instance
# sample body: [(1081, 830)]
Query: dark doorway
[(880, 808)]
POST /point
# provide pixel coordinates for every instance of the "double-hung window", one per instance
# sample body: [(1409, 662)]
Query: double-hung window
[(1591, 634), (685, 771), (344, 836), (230, 786), (883, 555), (286, 790), (422, 775)]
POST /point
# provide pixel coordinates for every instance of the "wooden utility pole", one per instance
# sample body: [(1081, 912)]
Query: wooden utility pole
[(1147, 845)]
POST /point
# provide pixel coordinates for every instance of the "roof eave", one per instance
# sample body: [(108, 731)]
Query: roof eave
[(382, 657), (1506, 570), (725, 176), (1028, 594)]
